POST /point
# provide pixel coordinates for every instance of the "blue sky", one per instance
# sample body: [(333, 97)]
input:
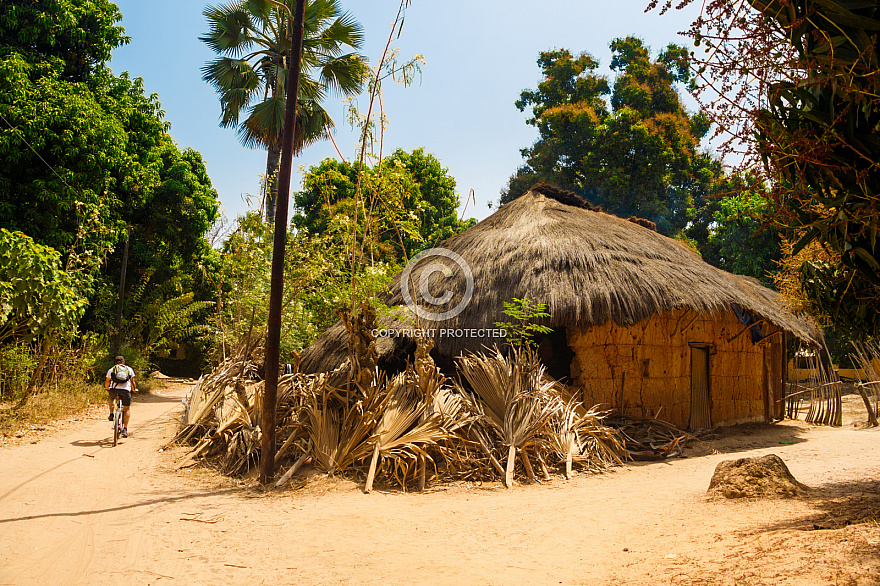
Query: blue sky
[(480, 55)]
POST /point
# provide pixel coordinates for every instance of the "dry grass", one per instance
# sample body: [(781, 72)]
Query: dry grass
[(69, 397)]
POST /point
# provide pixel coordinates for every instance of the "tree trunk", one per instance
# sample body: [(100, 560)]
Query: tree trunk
[(271, 191), (38, 371)]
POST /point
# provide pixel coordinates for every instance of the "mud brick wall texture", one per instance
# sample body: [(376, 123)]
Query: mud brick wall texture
[(645, 369)]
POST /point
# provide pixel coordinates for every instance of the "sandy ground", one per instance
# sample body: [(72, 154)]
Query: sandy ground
[(74, 510)]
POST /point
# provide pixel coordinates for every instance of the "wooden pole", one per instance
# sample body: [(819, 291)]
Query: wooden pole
[(296, 465), (273, 338), (745, 329), (872, 418)]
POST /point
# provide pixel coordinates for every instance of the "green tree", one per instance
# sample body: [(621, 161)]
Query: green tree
[(415, 204), (801, 107), (251, 76), (83, 153), (818, 138), (386, 212), (83, 159), (740, 241), (521, 333), (73, 37), (317, 282), (433, 193), (638, 157), (63, 160), (170, 258), (168, 229), (37, 297)]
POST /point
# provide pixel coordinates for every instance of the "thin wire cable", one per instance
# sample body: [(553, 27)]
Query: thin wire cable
[(51, 168)]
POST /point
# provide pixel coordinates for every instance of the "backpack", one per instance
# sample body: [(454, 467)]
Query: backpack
[(120, 374)]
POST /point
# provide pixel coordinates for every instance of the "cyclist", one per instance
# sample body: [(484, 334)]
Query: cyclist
[(120, 382)]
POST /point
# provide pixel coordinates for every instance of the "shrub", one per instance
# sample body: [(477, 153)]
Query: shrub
[(17, 362)]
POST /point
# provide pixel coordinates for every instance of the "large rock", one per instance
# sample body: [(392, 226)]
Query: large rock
[(763, 477)]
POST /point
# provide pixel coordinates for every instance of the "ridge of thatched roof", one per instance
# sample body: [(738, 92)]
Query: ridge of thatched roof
[(588, 267), (564, 196)]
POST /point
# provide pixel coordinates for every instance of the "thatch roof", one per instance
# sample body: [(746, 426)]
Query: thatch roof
[(589, 267), (331, 348)]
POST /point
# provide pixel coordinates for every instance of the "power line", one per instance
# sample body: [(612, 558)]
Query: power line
[(51, 168)]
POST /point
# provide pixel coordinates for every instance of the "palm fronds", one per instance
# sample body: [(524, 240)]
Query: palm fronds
[(411, 423), (359, 421), (338, 432), (514, 400), (251, 73)]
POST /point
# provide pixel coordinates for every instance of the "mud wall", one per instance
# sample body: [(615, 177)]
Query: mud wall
[(645, 369)]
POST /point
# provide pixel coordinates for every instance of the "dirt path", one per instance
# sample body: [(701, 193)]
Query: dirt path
[(75, 511)]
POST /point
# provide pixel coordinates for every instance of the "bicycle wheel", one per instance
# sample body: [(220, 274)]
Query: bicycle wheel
[(117, 424)]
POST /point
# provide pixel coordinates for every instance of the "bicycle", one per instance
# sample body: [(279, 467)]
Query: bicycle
[(118, 414)]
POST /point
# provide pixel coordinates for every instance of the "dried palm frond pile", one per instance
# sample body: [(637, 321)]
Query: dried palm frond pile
[(520, 410), (355, 421), (222, 405), (651, 439)]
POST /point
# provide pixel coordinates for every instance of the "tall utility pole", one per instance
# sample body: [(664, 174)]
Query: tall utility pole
[(273, 339)]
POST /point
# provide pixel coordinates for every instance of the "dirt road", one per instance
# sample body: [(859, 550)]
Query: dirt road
[(74, 510)]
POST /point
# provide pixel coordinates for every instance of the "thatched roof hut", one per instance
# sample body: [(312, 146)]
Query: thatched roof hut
[(589, 268), (592, 270)]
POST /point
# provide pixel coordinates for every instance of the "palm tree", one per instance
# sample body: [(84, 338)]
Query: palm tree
[(251, 74)]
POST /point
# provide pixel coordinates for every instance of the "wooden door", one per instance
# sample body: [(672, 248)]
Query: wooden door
[(774, 379), (700, 389)]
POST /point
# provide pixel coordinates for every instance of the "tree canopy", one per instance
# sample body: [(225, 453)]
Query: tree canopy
[(70, 153), (417, 202), (800, 85), (640, 156), (36, 295), (250, 76), (85, 153), (74, 38), (818, 136), (739, 240)]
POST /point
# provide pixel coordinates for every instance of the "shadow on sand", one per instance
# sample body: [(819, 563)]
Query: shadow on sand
[(837, 505)]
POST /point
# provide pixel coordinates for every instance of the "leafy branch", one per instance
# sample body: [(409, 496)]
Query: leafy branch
[(521, 332)]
